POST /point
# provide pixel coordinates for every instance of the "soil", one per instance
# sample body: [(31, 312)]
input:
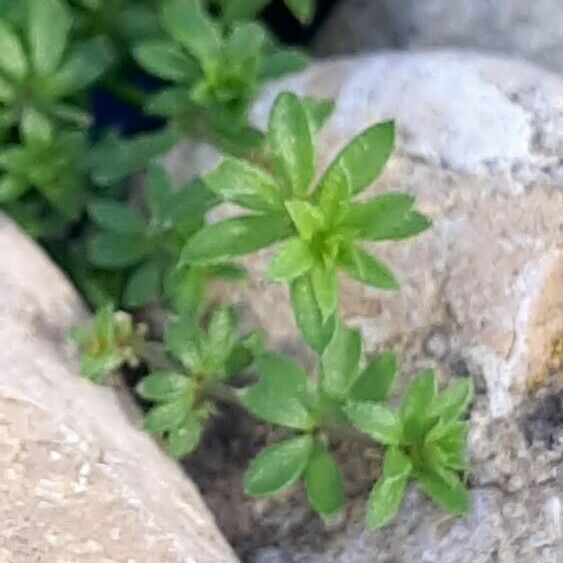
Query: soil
[(260, 529)]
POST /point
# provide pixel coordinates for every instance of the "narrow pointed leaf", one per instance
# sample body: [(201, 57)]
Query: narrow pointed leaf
[(307, 218), (112, 251), (292, 261), (278, 467), (116, 217), (363, 159), (387, 495), (340, 362), (48, 28), (454, 401), (283, 61), (242, 183), (166, 60), (359, 265), (379, 422), (186, 438), (323, 482), (144, 286), (164, 386), (167, 416), (377, 379), (316, 332), (281, 395), (291, 143), (325, 287), (416, 412), (87, 62), (455, 499), (187, 22), (303, 10), (234, 237), (12, 57), (386, 217)]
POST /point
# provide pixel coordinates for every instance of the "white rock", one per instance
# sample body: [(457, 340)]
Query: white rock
[(85, 480), (531, 30)]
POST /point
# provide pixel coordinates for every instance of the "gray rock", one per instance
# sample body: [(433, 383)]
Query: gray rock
[(80, 479), (480, 144), (532, 30)]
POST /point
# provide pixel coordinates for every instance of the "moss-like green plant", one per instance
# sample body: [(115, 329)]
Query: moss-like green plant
[(426, 441), (111, 341), (204, 359), (215, 72), (43, 68)]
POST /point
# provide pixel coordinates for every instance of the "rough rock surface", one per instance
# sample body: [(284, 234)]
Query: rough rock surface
[(531, 30), (79, 479), (481, 146)]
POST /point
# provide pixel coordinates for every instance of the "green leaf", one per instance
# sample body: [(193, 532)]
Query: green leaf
[(169, 102), (455, 499), (186, 438), (323, 482), (291, 144), (234, 237), (187, 22), (12, 188), (318, 111), (116, 217), (303, 10), (12, 57), (112, 251), (278, 467), (144, 285), (159, 192), (242, 183), (387, 495), (165, 60), (382, 424), (366, 269), (454, 401), (387, 217), (167, 416), (340, 362), (292, 261), (283, 61), (186, 290), (325, 288), (417, 402), (115, 158), (362, 160), (187, 208), (241, 9), (221, 335), (245, 43), (48, 28), (308, 219), (281, 395), (377, 379), (183, 339), (87, 62), (316, 332), (165, 386), (36, 128), (7, 92)]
